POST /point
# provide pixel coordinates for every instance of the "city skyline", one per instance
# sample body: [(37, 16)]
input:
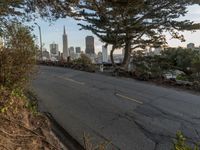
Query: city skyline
[(76, 37)]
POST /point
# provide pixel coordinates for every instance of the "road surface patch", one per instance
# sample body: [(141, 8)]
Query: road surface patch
[(126, 97)]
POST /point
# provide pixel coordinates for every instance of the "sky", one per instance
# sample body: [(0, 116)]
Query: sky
[(53, 32)]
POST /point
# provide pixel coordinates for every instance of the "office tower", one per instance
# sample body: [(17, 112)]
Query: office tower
[(78, 50), (71, 50), (54, 49), (105, 54), (45, 54), (89, 41), (65, 46)]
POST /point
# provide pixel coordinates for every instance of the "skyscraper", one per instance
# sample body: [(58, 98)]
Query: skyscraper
[(71, 50), (105, 54), (54, 49), (78, 50), (45, 54), (65, 46), (89, 41), (54, 53)]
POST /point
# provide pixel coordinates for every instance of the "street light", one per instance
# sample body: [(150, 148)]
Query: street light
[(40, 38)]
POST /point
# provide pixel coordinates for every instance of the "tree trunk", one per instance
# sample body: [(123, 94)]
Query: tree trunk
[(126, 59), (111, 56)]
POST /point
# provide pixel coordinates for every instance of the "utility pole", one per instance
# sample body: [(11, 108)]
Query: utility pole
[(40, 39)]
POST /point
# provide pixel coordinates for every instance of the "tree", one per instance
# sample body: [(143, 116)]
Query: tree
[(134, 24), (31, 8), (28, 10)]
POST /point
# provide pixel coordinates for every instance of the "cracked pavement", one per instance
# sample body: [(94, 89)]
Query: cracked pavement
[(144, 116)]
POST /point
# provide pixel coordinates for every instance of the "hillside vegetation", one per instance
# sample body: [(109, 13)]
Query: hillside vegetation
[(21, 126)]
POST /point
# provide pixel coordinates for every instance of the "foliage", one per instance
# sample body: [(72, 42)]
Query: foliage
[(185, 60), (17, 56), (85, 59), (32, 106), (135, 24), (19, 125), (180, 58), (88, 144), (83, 63), (31, 9), (180, 143), (196, 65), (182, 77)]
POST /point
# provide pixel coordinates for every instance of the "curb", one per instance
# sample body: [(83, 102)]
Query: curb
[(65, 138)]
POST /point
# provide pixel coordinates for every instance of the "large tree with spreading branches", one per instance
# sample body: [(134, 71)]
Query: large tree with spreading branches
[(32, 8), (134, 24)]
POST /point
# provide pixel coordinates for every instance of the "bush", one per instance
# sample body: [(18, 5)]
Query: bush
[(182, 77), (196, 66), (17, 56), (180, 143), (83, 63)]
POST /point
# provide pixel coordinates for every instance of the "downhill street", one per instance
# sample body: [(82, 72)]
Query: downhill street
[(133, 115)]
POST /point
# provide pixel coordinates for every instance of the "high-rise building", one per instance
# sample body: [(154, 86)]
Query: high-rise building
[(78, 50), (72, 53), (54, 49), (65, 46), (89, 42), (99, 57), (71, 50), (45, 54), (105, 54), (54, 53)]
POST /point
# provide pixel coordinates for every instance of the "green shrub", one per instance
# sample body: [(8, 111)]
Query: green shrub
[(180, 143), (17, 56), (83, 63), (182, 77)]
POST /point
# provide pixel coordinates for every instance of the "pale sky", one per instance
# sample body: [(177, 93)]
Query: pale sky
[(53, 33)]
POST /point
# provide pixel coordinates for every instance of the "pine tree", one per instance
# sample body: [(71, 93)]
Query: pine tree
[(134, 24)]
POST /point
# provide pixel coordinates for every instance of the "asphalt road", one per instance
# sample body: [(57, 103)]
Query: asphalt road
[(132, 115)]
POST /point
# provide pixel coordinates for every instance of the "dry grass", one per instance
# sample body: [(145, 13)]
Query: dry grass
[(20, 129), (89, 145)]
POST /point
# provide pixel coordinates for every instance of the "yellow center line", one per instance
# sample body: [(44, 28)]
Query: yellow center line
[(69, 79), (126, 97)]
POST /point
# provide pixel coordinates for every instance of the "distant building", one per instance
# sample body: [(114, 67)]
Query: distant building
[(54, 50), (89, 41), (45, 55), (99, 57), (71, 52), (191, 46), (104, 54), (65, 46), (78, 50)]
